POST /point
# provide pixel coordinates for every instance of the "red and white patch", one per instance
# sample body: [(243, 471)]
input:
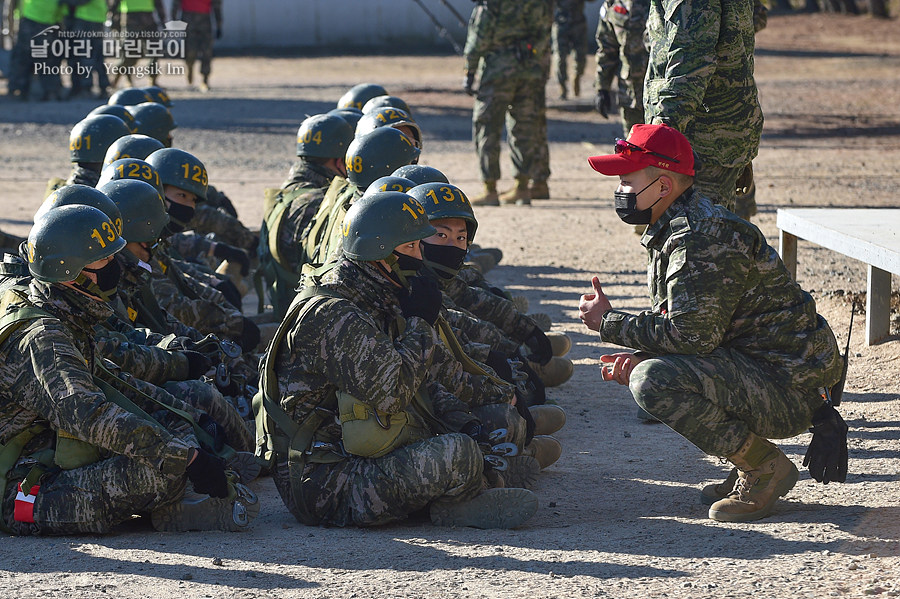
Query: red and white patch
[(24, 508)]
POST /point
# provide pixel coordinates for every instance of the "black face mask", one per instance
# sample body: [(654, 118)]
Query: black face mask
[(403, 268), (179, 217), (626, 207), (445, 260), (107, 280)]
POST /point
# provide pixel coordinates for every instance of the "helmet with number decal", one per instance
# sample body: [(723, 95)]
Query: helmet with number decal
[(154, 120), (180, 169), (389, 117), (324, 136), (91, 136), (143, 211), (376, 224), (132, 146), (389, 183), (351, 115), (445, 200), (82, 195), (130, 96), (68, 238), (358, 95), (378, 154), (118, 111), (131, 168), (382, 101), (421, 174), (158, 94)]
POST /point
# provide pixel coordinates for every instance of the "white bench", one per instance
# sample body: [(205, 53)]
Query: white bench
[(870, 235)]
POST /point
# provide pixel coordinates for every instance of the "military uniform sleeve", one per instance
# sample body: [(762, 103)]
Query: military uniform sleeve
[(148, 363), (480, 331), (608, 61), (228, 229), (472, 389), (499, 311), (478, 36)]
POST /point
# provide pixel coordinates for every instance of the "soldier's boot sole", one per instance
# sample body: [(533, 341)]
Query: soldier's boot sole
[(494, 508), (543, 321), (545, 449), (202, 512), (521, 303), (716, 491), (522, 472), (548, 419), (784, 479), (245, 465), (559, 343)]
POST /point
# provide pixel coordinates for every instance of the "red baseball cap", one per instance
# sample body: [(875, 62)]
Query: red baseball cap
[(648, 145)]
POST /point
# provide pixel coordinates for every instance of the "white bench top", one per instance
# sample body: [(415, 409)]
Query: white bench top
[(870, 235)]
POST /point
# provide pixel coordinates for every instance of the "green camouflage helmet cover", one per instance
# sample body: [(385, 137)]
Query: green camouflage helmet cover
[(130, 96), (378, 154), (158, 94), (119, 111), (389, 117), (143, 211), (90, 137), (180, 169), (324, 136), (445, 200), (382, 101), (68, 238), (131, 168), (154, 120), (358, 95), (81, 195), (421, 174), (132, 146), (376, 224)]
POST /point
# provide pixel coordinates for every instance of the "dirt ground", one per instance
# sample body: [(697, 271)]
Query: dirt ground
[(619, 513)]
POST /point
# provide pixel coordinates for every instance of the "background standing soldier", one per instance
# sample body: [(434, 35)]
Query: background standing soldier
[(504, 44), (622, 53), (569, 36), (89, 18), (35, 16), (135, 17), (198, 15)]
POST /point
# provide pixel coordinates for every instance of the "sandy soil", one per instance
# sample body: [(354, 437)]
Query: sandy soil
[(619, 513)]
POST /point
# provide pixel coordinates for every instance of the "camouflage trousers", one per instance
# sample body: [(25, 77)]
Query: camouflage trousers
[(136, 23), (199, 42), (373, 491), (93, 63), (520, 100), (715, 401), (205, 397), (496, 416), (718, 183), (568, 39)]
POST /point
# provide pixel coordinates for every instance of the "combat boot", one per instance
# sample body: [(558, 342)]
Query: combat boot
[(559, 343), (495, 508), (545, 449), (521, 472), (555, 372), (519, 301), (764, 475), (539, 190), (542, 320), (716, 491), (518, 195), (202, 512), (245, 465), (233, 271), (489, 197), (548, 418)]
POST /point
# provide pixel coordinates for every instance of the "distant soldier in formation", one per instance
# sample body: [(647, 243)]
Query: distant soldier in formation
[(198, 15), (569, 37)]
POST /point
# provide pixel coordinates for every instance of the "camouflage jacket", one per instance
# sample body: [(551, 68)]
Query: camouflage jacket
[(490, 307), (322, 239), (307, 183), (700, 77), (46, 378), (715, 283), (621, 42), (226, 228), (508, 37), (83, 176), (307, 175)]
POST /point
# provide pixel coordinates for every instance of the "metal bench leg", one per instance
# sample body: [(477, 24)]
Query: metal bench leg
[(788, 250), (878, 305)]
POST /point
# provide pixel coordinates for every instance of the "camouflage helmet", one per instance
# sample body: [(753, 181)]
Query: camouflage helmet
[(351, 115), (421, 174), (378, 154), (130, 96), (119, 111), (154, 120), (68, 238), (445, 200), (143, 211), (91, 136), (324, 136), (132, 146), (382, 101), (389, 117), (131, 168), (389, 183), (180, 169), (158, 94), (376, 224), (358, 95), (81, 195)]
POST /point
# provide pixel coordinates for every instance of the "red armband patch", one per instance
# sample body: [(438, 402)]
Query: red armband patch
[(620, 9), (24, 507)]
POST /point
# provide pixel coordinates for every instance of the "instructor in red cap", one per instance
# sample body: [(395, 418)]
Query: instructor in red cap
[(731, 352)]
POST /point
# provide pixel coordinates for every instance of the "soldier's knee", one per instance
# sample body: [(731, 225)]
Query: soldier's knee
[(653, 380)]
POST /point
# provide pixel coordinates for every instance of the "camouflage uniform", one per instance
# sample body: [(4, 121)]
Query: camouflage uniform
[(364, 354), (735, 346), (569, 35), (83, 176), (489, 307), (323, 239), (622, 53), (700, 81), (138, 18), (36, 15), (199, 43), (46, 376), (508, 44)]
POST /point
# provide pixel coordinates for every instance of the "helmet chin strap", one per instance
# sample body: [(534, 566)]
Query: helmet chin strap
[(399, 275), (85, 285)]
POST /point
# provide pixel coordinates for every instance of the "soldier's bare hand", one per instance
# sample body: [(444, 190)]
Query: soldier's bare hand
[(593, 306), (620, 367)]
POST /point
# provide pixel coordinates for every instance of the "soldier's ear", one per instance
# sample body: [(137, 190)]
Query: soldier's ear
[(667, 185)]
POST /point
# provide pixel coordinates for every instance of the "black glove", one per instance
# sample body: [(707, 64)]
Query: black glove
[(524, 412), (198, 364), (214, 429), (207, 474), (218, 33), (500, 364), (827, 452), (249, 336), (231, 293), (533, 392), (423, 299), (233, 254), (541, 350), (602, 102), (468, 83), (475, 430)]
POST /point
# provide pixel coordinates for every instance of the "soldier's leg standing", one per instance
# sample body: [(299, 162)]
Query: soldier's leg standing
[(580, 48), (487, 125), (560, 58), (718, 183), (526, 126)]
